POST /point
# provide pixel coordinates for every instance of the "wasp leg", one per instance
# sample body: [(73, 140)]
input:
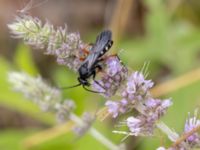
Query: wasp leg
[(106, 57), (88, 48), (90, 90), (94, 75), (113, 55)]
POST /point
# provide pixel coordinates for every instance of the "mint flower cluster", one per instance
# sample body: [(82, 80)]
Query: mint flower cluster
[(113, 77), (59, 42), (41, 93), (136, 95)]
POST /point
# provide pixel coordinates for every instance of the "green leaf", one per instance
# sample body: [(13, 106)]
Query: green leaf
[(24, 60), (11, 139)]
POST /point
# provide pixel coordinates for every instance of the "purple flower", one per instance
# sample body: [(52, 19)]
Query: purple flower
[(70, 52), (134, 125), (193, 141), (123, 105), (166, 103), (113, 108), (64, 110), (113, 66), (149, 113), (140, 125), (88, 120), (137, 88), (67, 47), (112, 78), (151, 103), (156, 108), (136, 95), (137, 83), (190, 124)]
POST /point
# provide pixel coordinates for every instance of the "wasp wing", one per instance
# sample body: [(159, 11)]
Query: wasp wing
[(101, 41)]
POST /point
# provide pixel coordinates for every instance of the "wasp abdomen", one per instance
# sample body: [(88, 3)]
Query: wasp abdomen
[(106, 48)]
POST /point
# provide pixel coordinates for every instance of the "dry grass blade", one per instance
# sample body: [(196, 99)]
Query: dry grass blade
[(177, 83), (103, 113), (47, 135), (120, 17)]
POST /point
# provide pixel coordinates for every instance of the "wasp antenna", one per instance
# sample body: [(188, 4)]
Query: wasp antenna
[(91, 90), (69, 87)]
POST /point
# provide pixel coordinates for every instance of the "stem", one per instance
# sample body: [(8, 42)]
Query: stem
[(172, 135), (185, 136), (96, 134)]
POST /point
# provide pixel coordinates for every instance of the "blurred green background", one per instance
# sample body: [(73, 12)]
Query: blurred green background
[(164, 33)]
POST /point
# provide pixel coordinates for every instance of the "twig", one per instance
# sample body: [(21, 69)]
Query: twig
[(120, 17), (96, 134), (185, 136), (177, 83), (47, 135)]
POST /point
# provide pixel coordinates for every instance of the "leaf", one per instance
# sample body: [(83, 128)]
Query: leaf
[(24, 60)]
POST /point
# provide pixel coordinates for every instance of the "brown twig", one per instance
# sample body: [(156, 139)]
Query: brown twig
[(185, 136), (120, 17), (177, 83), (48, 134)]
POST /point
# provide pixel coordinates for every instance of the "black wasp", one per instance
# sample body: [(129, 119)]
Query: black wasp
[(92, 63)]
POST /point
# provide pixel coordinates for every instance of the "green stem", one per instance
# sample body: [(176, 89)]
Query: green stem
[(96, 134), (172, 135)]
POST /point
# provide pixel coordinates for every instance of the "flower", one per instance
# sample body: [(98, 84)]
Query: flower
[(87, 119), (36, 90), (46, 97), (137, 87), (191, 123), (116, 107), (136, 95), (140, 125), (186, 141), (113, 76), (135, 92), (31, 30), (70, 52), (134, 125), (156, 108), (63, 110), (113, 108), (136, 82), (67, 47)]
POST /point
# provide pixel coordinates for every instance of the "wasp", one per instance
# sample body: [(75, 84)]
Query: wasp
[(92, 62)]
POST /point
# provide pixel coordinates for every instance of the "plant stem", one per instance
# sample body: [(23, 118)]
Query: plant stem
[(185, 136), (96, 134), (172, 135)]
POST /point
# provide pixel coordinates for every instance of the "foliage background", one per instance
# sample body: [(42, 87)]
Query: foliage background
[(165, 33)]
